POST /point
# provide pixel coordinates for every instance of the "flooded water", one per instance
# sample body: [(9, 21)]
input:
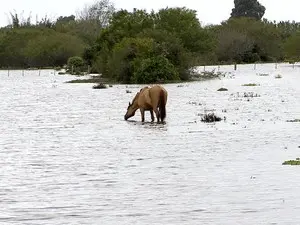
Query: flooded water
[(68, 157)]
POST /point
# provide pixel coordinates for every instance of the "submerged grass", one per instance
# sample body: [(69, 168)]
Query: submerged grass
[(94, 79), (251, 85)]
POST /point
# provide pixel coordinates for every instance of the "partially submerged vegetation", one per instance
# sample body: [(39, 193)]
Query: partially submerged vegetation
[(210, 118), (222, 89), (206, 75), (294, 121), (100, 86), (251, 85), (92, 79), (292, 162)]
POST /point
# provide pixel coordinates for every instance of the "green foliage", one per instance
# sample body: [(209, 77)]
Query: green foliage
[(138, 36), (248, 8), (248, 40), (32, 47), (120, 62), (141, 46), (292, 162), (292, 48), (151, 70), (75, 64)]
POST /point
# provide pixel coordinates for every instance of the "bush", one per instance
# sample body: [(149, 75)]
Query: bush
[(120, 63), (153, 69), (75, 64)]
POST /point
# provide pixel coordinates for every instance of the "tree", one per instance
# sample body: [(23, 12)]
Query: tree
[(292, 48), (248, 8), (99, 12)]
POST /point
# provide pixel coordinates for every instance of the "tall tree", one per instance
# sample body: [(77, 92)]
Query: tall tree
[(248, 8)]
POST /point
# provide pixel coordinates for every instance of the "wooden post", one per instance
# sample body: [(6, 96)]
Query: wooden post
[(23, 73), (235, 66), (204, 68), (72, 69), (8, 72), (254, 66), (276, 66), (39, 72), (218, 67)]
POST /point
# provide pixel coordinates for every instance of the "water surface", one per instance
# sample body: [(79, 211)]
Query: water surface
[(68, 157)]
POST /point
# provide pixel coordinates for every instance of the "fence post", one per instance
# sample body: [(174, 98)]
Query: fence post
[(235, 66)]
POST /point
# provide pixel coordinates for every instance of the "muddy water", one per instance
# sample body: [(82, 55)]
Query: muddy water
[(68, 157)]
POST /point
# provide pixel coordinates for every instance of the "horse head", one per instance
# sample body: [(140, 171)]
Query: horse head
[(132, 107)]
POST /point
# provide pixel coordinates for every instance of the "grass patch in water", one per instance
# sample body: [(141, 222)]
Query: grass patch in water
[(210, 118), (294, 121), (100, 86), (251, 85), (206, 75), (222, 89), (94, 79), (292, 162)]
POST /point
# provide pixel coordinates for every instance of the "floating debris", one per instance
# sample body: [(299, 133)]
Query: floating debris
[(278, 76), (194, 103), (128, 91)]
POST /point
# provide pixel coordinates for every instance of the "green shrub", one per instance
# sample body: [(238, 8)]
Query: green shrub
[(120, 62), (152, 69), (75, 65)]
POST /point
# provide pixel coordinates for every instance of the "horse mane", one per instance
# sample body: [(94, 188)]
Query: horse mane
[(138, 93)]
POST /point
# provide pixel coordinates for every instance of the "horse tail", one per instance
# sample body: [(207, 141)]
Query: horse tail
[(162, 105)]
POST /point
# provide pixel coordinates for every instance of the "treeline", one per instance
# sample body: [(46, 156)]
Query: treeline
[(143, 47)]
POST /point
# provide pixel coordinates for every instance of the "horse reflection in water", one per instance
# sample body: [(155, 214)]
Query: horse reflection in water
[(153, 99)]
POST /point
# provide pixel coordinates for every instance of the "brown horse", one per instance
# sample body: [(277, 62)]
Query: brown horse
[(149, 99)]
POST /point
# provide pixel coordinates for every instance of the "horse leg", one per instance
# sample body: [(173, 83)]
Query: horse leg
[(152, 115), (157, 114), (142, 114)]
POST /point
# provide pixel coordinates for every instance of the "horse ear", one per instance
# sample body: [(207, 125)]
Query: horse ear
[(129, 103)]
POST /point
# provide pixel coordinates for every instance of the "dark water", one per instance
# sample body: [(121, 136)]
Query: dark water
[(68, 157)]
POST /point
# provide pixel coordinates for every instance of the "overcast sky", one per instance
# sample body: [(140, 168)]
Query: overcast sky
[(208, 11)]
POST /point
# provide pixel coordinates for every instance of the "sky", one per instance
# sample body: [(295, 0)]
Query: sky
[(208, 11)]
